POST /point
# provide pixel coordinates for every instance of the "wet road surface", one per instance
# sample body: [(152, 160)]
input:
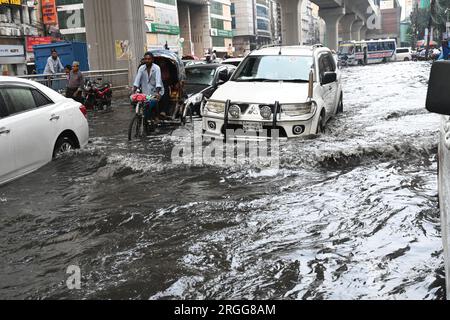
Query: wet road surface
[(352, 214)]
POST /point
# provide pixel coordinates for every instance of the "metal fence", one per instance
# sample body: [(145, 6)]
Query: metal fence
[(118, 78)]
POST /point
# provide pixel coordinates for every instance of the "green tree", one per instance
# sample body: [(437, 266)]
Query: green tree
[(420, 16)]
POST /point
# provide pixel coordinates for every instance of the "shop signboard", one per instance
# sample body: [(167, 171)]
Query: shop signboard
[(11, 51), (221, 33), (163, 28), (15, 3), (34, 41)]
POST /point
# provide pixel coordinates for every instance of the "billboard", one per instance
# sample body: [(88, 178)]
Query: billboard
[(49, 13)]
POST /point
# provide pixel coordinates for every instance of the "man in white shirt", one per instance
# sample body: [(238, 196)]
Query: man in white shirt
[(149, 80), (54, 64)]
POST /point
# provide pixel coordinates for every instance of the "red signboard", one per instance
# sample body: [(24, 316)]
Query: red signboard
[(33, 41), (49, 13)]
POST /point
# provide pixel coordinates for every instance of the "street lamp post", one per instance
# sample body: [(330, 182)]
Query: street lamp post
[(430, 22)]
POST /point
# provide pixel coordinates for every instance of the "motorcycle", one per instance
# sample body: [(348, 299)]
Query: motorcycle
[(97, 96)]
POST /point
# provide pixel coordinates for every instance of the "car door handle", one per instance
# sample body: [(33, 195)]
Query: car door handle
[(4, 131), (54, 117)]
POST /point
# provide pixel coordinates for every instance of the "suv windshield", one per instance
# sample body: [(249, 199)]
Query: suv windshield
[(274, 68), (203, 76)]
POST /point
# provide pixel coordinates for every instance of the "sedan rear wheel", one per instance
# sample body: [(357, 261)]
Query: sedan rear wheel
[(63, 145)]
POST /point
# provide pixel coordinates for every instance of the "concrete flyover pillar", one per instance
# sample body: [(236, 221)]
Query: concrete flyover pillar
[(111, 22), (332, 18), (363, 33), (346, 26), (290, 21), (356, 30)]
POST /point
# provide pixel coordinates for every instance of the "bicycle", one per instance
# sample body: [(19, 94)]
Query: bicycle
[(140, 126)]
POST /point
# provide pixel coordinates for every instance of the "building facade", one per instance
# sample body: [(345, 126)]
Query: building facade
[(310, 23), (20, 21), (391, 13), (255, 23), (71, 23), (162, 26)]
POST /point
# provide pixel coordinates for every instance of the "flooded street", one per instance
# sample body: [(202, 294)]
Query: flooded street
[(352, 214)]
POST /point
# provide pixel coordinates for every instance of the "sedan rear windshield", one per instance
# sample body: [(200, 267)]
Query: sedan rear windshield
[(274, 68), (202, 76)]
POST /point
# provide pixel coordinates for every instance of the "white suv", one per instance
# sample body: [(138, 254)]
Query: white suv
[(295, 89), (403, 54), (438, 101)]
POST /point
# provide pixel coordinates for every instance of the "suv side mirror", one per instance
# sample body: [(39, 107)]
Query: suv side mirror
[(224, 76), (230, 73), (329, 77), (438, 97)]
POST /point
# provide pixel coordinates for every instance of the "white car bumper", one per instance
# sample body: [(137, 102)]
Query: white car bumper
[(288, 127)]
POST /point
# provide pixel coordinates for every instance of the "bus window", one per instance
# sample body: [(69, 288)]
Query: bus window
[(372, 46)]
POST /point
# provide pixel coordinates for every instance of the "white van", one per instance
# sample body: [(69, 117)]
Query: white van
[(295, 89)]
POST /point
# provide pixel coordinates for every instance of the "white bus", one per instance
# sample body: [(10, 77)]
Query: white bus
[(352, 53), (383, 50)]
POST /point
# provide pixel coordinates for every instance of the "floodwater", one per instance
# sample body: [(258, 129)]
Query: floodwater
[(352, 214)]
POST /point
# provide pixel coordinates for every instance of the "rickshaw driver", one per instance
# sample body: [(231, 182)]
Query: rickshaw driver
[(148, 78)]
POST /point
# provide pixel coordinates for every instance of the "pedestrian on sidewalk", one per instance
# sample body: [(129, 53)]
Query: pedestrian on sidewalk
[(54, 64), (445, 50), (53, 67), (75, 84)]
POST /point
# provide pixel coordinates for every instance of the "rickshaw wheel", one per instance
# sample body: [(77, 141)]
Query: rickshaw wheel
[(137, 128)]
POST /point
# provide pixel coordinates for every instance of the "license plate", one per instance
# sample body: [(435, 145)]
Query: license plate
[(252, 126)]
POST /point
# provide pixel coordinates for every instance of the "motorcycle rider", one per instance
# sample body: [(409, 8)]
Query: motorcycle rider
[(148, 78)]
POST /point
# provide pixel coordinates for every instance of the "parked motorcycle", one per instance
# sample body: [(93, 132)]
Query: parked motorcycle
[(97, 96)]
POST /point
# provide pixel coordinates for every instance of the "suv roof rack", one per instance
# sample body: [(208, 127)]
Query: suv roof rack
[(270, 46)]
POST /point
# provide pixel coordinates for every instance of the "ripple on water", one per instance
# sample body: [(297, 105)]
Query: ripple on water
[(351, 214)]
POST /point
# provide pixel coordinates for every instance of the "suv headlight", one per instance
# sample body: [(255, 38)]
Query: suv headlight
[(197, 98), (215, 106), (299, 109)]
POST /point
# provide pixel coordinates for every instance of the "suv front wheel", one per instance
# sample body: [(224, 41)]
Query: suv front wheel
[(321, 124)]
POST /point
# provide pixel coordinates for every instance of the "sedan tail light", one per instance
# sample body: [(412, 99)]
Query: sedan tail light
[(83, 111)]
